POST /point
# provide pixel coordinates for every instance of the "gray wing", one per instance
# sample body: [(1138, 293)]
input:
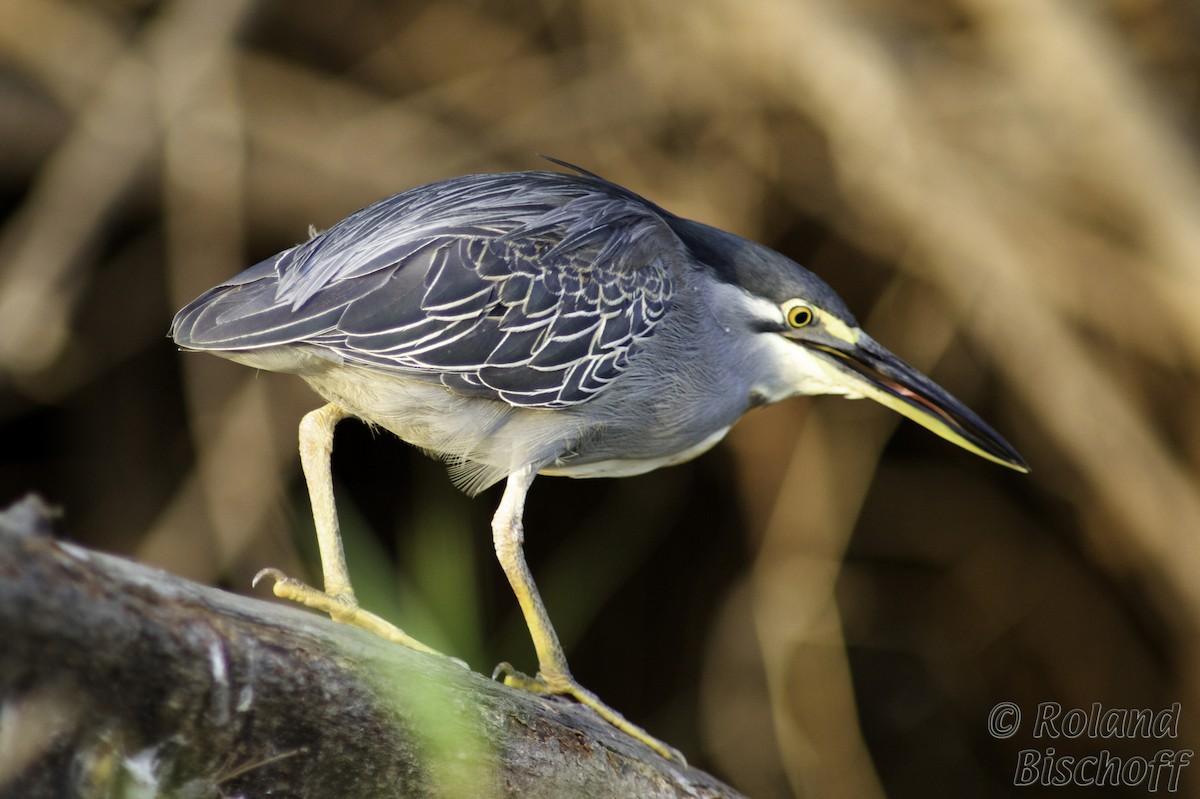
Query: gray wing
[(534, 288)]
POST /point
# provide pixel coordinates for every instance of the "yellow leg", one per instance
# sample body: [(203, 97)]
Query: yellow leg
[(553, 677), (338, 600)]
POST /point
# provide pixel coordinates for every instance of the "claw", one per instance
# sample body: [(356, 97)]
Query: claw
[(505, 673), (274, 574)]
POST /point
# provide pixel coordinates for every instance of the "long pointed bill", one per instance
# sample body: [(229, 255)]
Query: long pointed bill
[(867, 368)]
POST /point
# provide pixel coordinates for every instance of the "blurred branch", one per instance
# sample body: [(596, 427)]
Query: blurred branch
[(35, 35), (235, 488), (122, 676), (813, 516), (1072, 65), (239, 458), (114, 135)]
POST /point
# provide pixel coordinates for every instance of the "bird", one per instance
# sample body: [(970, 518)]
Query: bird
[(549, 322)]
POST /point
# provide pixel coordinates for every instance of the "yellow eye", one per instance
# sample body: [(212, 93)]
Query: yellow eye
[(799, 315)]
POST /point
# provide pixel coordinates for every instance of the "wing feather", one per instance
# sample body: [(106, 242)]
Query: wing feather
[(534, 288)]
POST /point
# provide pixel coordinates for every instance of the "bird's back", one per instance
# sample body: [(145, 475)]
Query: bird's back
[(532, 288)]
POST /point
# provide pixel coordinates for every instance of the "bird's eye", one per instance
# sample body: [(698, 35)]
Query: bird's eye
[(799, 315)]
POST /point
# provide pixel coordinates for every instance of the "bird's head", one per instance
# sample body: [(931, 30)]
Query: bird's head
[(806, 341)]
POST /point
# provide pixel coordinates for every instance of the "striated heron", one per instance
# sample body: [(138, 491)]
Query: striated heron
[(543, 323)]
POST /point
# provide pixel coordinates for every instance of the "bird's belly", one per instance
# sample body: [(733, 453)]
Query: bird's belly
[(627, 467)]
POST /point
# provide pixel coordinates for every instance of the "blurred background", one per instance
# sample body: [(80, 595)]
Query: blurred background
[(832, 602)]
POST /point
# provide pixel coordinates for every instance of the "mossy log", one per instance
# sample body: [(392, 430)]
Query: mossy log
[(119, 680)]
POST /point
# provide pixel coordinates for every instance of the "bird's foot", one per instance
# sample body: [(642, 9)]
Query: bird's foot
[(565, 685), (341, 607)]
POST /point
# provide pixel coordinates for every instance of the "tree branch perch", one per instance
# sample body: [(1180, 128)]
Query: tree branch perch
[(120, 680)]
